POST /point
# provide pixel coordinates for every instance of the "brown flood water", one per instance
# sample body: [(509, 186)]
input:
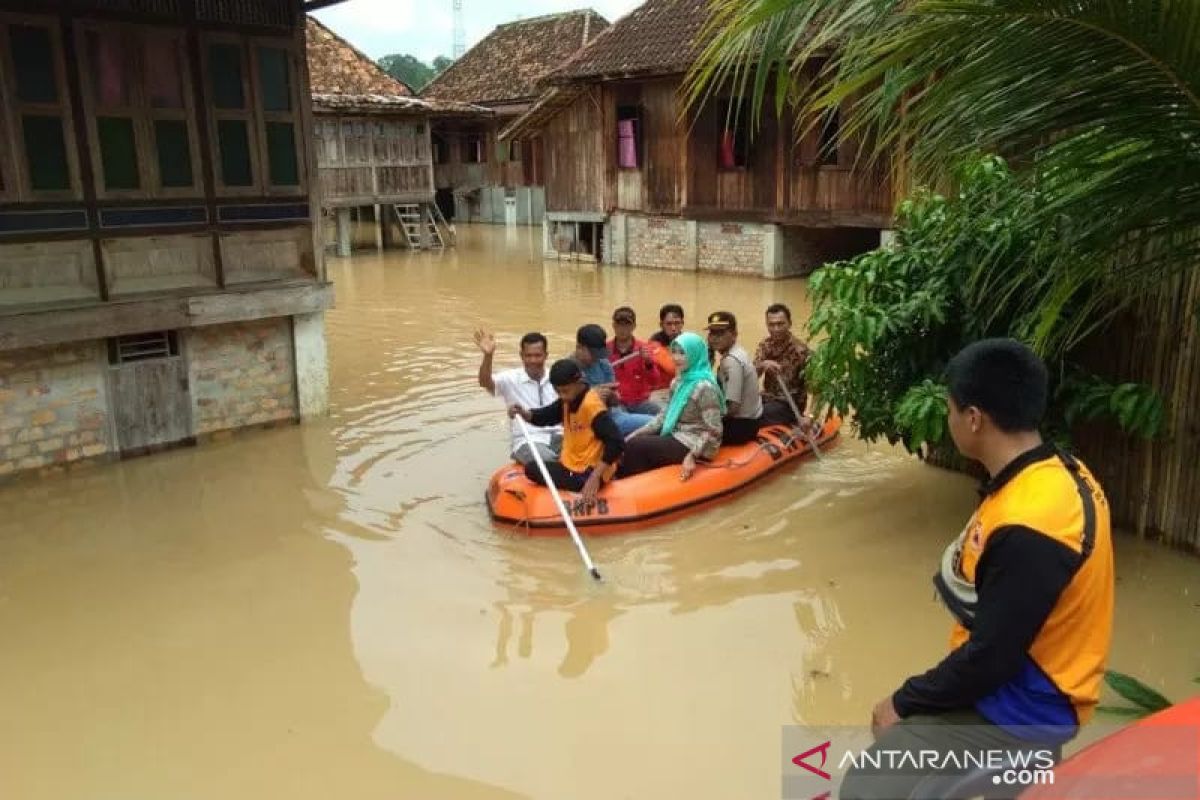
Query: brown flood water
[(325, 610)]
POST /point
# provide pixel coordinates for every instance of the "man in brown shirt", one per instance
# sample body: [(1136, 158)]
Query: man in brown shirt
[(781, 356)]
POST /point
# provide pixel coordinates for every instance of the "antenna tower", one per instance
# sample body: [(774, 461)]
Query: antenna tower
[(460, 34)]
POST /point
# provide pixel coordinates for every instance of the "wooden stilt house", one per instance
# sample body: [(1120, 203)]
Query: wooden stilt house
[(631, 179), (478, 177), (159, 275)]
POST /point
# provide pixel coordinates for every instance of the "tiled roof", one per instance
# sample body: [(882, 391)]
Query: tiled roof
[(509, 62), (337, 67), (658, 37), (390, 103)]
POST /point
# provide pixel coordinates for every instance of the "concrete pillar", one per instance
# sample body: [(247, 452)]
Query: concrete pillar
[(537, 204), (312, 364), (692, 237), (773, 266), (617, 231), (378, 228), (343, 232), (886, 237), (547, 250)]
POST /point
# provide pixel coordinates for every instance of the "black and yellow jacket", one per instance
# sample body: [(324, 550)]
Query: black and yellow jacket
[(1030, 582)]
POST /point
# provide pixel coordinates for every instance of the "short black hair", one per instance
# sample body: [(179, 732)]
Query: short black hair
[(780, 308), (1004, 379), (592, 337), (565, 371), (669, 308), (534, 338)]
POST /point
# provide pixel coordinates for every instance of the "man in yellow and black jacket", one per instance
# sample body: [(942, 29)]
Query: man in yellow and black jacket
[(591, 444), (1029, 582)]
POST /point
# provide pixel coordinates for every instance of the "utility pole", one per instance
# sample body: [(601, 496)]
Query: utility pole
[(460, 34)]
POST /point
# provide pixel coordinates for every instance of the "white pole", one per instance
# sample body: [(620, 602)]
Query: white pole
[(812, 442), (562, 509), (626, 357)]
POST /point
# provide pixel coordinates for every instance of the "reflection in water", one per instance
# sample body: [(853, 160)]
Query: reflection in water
[(325, 610)]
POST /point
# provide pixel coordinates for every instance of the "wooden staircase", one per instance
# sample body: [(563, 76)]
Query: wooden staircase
[(422, 224)]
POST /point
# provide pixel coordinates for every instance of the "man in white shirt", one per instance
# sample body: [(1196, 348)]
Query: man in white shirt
[(527, 386)]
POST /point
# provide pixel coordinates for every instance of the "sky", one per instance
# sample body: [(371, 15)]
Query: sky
[(382, 27)]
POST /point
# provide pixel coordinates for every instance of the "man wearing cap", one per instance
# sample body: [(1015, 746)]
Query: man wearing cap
[(591, 351), (591, 446), (527, 385), (640, 366), (738, 379)]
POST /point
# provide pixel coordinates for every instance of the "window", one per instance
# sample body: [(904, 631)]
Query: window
[(734, 144), (256, 124), (234, 118), (280, 122), (514, 150), (143, 347), (629, 137), (41, 162), (356, 142), (328, 152), (475, 152), (831, 136)]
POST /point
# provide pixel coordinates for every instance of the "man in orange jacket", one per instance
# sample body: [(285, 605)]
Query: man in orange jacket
[(1029, 582)]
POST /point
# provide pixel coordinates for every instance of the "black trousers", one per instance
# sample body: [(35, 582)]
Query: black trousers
[(650, 451), (777, 412), (563, 478), (739, 430)]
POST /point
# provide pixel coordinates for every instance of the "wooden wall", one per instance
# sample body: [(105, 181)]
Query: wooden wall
[(1153, 487), (679, 170), (574, 156), (156, 206), (498, 168), (363, 160)]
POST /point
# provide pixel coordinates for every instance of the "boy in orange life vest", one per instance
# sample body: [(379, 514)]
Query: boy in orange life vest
[(1029, 583), (591, 442)]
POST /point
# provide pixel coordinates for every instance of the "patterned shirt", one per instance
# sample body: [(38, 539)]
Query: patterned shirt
[(699, 427), (792, 356)]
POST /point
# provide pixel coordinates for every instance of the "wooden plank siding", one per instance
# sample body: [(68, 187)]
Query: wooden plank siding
[(364, 160), (574, 157), (679, 173), (498, 167)]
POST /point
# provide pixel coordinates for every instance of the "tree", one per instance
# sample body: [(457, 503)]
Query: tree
[(1096, 101), (440, 63), (408, 68), (890, 320)]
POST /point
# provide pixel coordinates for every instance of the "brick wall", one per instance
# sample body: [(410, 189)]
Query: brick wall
[(730, 247), (659, 242), (53, 406), (241, 374)]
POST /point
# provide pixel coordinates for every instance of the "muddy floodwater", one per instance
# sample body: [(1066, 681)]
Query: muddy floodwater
[(325, 611)]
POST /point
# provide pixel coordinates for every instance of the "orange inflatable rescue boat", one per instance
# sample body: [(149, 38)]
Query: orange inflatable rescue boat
[(654, 496)]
